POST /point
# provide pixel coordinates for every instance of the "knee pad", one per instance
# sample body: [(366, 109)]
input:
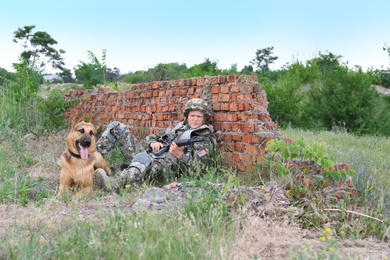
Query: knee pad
[(142, 161)]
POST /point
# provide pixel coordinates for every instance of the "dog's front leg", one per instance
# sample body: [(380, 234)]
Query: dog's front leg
[(65, 184), (102, 163)]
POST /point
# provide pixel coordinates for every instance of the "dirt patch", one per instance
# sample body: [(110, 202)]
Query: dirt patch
[(270, 239)]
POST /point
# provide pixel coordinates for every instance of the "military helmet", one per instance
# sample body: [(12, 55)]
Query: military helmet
[(197, 104)]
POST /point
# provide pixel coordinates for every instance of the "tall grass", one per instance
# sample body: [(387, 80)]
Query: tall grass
[(202, 230), (199, 232), (367, 155)]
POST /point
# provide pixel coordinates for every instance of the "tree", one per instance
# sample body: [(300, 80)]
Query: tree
[(160, 72), (327, 62), (247, 70), (263, 59), (88, 74), (285, 96), (39, 46), (344, 98), (101, 66), (94, 72), (208, 68), (8, 75), (113, 75), (66, 76)]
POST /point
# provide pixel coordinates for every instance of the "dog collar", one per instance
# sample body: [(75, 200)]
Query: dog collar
[(78, 156)]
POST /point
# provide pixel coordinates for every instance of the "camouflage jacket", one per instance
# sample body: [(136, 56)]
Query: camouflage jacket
[(199, 152)]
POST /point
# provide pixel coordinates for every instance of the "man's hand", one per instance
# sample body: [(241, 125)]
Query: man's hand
[(156, 146), (176, 151)]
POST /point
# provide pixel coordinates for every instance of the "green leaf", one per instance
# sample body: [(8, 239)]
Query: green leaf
[(293, 151), (334, 175), (281, 146), (281, 169), (286, 154), (343, 175), (328, 163), (271, 145), (351, 172)]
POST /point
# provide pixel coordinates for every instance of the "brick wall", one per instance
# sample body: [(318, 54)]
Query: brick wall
[(241, 120)]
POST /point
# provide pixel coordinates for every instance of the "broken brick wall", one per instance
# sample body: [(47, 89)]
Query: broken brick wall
[(241, 119)]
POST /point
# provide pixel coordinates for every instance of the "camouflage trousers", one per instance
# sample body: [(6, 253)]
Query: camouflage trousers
[(120, 134), (129, 145), (117, 132)]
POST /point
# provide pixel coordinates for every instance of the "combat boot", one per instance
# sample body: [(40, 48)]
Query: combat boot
[(114, 183), (102, 182)]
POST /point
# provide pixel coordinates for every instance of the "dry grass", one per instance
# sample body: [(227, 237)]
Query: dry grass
[(270, 239), (256, 237)]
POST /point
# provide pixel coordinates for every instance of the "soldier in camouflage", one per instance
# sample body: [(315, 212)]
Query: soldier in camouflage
[(145, 163)]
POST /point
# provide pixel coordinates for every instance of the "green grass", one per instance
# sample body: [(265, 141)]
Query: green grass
[(203, 229), (123, 237), (367, 155)]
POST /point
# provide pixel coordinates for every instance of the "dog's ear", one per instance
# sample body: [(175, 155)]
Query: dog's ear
[(96, 120), (78, 117)]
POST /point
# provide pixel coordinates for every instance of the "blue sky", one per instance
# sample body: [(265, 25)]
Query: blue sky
[(140, 34)]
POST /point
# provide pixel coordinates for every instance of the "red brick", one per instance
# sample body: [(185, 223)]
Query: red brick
[(231, 118), (248, 157), (249, 128), (227, 138), (120, 115), (239, 147), (237, 157), (232, 79), (215, 80), (224, 89), (224, 106), (233, 107), (180, 83), (194, 82), (250, 149), (241, 97), (248, 88), (220, 117), (226, 126), (223, 97), (261, 149), (200, 81), (246, 139), (242, 117), (236, 138), (234, 88)]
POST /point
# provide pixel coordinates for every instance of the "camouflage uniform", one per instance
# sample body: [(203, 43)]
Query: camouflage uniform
[(145, 162)]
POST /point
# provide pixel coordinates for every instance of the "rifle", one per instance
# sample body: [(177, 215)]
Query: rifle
[(179, 142)]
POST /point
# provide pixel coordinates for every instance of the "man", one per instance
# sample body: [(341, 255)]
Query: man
[(176, 159)]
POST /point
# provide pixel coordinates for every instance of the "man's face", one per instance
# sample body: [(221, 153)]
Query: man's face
[(195, 119)]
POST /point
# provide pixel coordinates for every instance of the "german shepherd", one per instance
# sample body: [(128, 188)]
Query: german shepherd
[(80, 158)]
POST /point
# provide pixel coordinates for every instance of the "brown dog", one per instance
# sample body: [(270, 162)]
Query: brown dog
[(80, 158)]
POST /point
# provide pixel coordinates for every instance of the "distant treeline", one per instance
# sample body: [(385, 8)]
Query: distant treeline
[(319, 94)]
